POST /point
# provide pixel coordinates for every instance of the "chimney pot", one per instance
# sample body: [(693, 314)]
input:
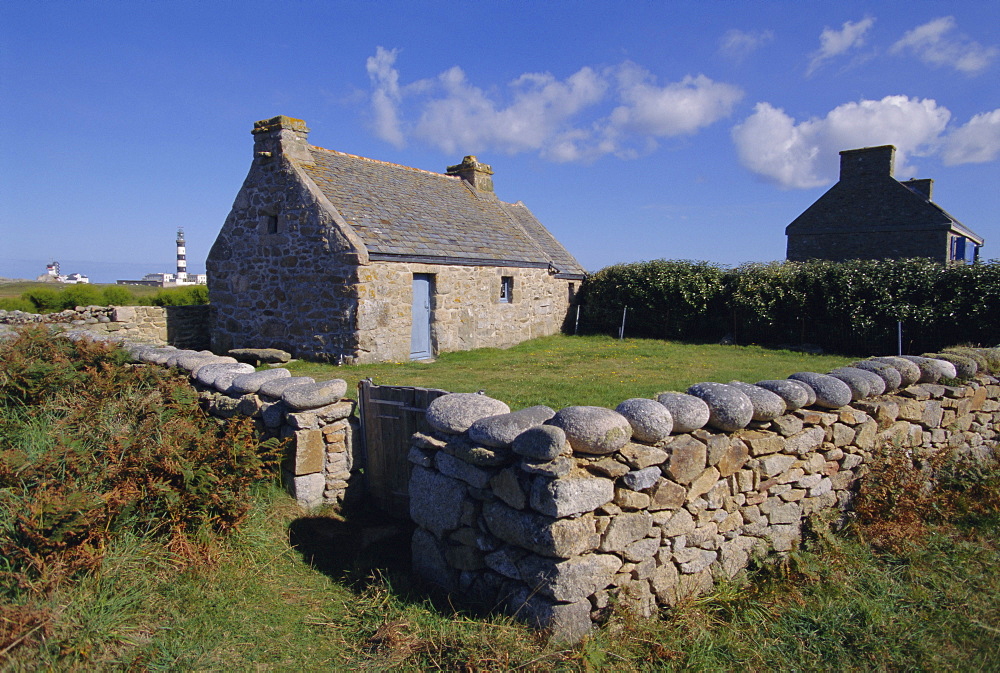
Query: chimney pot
[(475, 173), (868, 162), (281, 135)]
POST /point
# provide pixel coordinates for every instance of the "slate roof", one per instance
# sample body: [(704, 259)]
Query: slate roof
[(404, 213)]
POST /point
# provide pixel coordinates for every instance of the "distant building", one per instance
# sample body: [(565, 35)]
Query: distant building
[(869, 214), (52, 275), (169, 279)]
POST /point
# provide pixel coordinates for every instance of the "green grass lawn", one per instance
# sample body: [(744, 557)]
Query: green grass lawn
[(560, 371)]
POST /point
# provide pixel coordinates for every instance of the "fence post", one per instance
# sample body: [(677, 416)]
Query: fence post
[(621, 330)]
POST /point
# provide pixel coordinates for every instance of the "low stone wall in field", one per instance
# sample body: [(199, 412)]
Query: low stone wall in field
[(181, 326), (559, 515), (321, 461)]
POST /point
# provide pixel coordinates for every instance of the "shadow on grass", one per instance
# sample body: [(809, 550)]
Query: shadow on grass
[(362, 549), (355, 548)]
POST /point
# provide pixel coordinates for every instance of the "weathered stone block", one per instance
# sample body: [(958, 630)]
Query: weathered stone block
[(703, 483), (307, 452), (687, 460), (570, 580), (543, 535), (625, 529), (436, 501), (572, 494), (667, 494), (734, 457)]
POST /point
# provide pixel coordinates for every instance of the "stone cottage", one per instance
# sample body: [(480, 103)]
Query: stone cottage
[(338, 257), (869, 214)]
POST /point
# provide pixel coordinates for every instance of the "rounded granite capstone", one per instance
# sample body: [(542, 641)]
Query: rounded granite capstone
[(863, 384), (593, 430), (909, 371), (650, 420), (729, 409), (209, 373), (831, 393), (214, 360), (542, 442), (792, 393), (454, 413), (157, 356), (932, 370), (274, 387), (246, 384), (965, 368), (689, 412), (890, 376), (501, 430), (313, 395), (194, 359), (766, 404)]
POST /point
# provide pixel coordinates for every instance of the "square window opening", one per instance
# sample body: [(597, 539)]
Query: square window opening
[(506, 289)]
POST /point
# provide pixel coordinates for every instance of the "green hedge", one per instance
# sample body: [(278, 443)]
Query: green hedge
[(50, 300), (851, 307)]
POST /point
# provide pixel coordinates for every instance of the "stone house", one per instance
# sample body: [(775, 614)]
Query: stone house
[(869, 214), (337, 257)]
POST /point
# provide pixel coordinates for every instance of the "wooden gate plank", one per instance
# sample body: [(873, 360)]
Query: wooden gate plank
[(389, 417)]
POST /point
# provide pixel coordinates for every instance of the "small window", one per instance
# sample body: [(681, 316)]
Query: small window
[(506, 289), (269, 223), (960, 249), (572, 293)]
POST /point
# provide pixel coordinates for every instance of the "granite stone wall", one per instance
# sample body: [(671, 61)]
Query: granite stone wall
[(135, 323), (466, 311), (559, 515), (321, 445)]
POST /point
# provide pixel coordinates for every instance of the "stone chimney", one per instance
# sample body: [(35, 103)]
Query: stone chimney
[(867, 163), (475, 173), (921, 187), (281, 135)]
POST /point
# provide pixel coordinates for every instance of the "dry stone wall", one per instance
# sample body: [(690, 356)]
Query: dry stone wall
[(559, 515), (321, 442), (135, 323)]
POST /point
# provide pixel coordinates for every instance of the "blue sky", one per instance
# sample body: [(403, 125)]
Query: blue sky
[(633, 130)]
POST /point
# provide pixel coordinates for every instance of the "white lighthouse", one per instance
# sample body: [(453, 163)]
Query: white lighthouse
[(181, 257)]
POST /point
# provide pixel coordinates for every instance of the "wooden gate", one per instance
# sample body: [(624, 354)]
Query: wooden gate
[(389, 417)]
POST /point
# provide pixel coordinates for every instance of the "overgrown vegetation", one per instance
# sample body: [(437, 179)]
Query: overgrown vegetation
[(850, 307), (45, 299), (160, 589), (92, 449)]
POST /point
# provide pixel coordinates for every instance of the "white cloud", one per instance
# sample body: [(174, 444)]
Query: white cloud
[(936, 43), (563, 120), (738, 44), (385, 94), (678, 108), (835, 42), (976, 142), (465, 118), (800, 155)]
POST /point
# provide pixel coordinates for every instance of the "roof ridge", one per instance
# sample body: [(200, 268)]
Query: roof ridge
[(385, 163)]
